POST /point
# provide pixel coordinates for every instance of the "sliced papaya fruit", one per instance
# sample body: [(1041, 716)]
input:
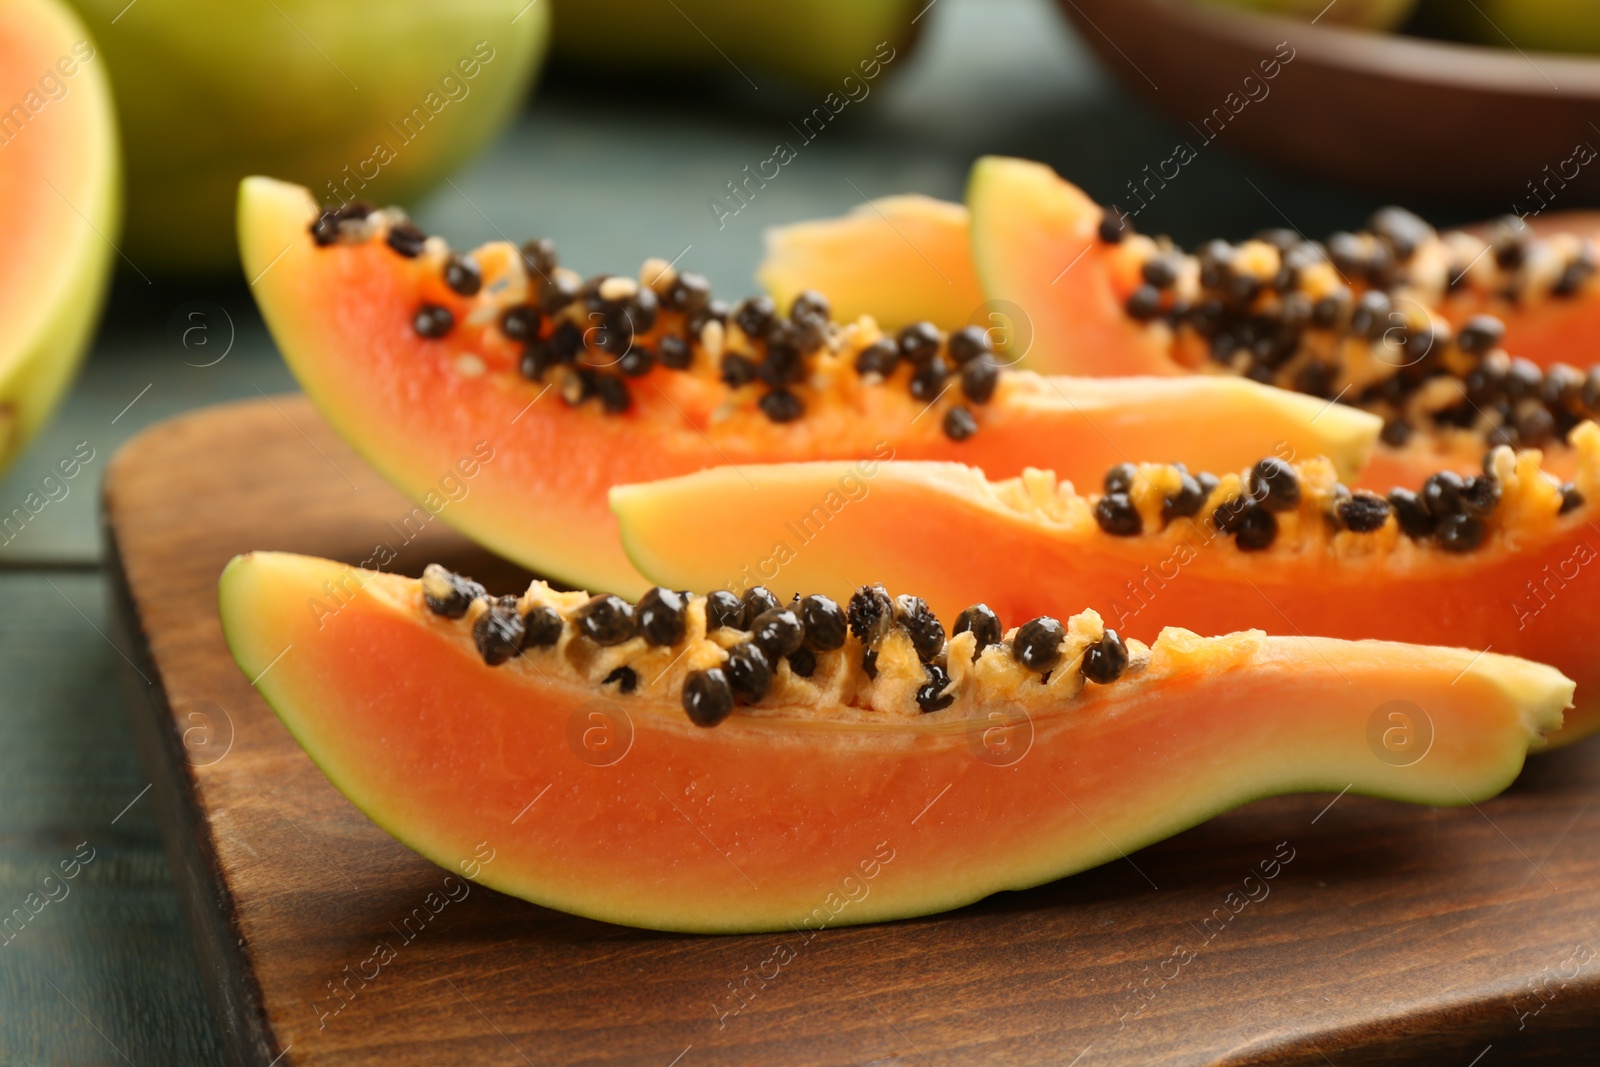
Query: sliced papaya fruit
[(59, 209), (581, 770), (900, 259), (1502, 560), (1459, 340), (426, 359)]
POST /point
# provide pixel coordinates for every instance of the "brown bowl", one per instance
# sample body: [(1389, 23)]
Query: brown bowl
[(1393, 113)]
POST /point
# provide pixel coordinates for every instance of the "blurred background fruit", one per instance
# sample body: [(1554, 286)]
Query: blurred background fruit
[(354, 98), (806, 42), (58, 211), (1537, 25), (1368, 14)]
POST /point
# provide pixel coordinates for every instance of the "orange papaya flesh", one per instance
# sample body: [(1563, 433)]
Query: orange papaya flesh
[(1505, 560), (832, 799), (511, 438)]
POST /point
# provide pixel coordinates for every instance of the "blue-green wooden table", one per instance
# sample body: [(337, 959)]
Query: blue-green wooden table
[(106, 973)]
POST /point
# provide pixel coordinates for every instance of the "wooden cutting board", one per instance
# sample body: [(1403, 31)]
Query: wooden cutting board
[(1387, 934)]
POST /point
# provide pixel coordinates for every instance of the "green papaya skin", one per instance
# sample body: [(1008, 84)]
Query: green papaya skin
[(209, 91)]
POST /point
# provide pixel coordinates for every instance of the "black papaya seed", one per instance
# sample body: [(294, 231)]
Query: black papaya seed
[(1460, 533), (462, 275), (979, 376), (1106, 659), (756, 315), (1037, 645), (1364, 512), (1256, 529), (1274, 484), (931, 695), (777, 632), (1117, 515), (707, 697), (448, 594), (1119, 479), (803, 662), (1186, 501), (878, 358), (432, 321), (984, 625), (1441, 493), (406, 239), (870, 613), (606, 619), (919, 342), (748, 671), (758, 598), (541, 627), (724, 609), (1415, 520), (659, 614), (520, 323), (959, 424), (967, 344), (921, 625), (498, 632), (824, 621)]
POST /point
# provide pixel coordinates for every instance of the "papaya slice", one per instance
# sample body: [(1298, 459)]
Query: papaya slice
[(1499, 560), (552, 389), (1460, 340), (59, 209), (1391, 319), (583, 772)]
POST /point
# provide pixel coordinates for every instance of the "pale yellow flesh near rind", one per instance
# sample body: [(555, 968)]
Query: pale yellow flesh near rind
[(900, 259), (1232, 721), (54, 304)]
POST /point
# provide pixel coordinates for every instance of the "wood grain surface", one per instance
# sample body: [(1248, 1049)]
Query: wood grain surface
[(1387, 934)]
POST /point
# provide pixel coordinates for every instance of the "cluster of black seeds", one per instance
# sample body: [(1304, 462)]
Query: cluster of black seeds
[(593, 337), (873, 615), (796, 632), (1263, 330), (1450, 509)]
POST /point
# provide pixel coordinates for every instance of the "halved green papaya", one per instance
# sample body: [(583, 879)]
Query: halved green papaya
[(1459, 340), (428, 360), (1502, 560), (580, 771), (59, 209)]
